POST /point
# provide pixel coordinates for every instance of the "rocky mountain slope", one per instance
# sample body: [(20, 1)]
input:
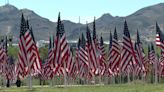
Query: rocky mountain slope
[(143, 20)]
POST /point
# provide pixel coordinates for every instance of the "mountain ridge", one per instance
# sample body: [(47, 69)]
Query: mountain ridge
[(143, 20)]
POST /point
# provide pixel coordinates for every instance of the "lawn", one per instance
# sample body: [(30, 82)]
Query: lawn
[(132, 87)]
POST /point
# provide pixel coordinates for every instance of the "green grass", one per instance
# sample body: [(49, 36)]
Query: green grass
[(140, 87)]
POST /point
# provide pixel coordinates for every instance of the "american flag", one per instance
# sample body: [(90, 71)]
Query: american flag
[(56, 53), (115, 55), (139, 54), (34, 61), (48, 66), (47, 70), (8, 63), (127, 53), (151, 54), (158, 33), (64, 50), (161, 45), (95, 45), (102, 58), (70, 62), (77, 64), (2, 51), (28, 54), (62, 55), (57, 46), (95, 40), (83, 54), (22, 54), (19, 70), (161, 40), (139, 67), (37, 63), (82, 57), (10, 73), (109, 51), (50, 51), (91, 52), (73, 72)]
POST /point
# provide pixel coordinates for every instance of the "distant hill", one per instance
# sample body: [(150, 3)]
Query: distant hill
[(143, 20)]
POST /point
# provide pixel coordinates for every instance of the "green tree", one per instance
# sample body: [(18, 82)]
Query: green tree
[(13, 51), (43, 52)]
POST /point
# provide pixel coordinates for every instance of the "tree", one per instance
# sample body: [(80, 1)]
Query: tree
[(43, 52), (13, 51)]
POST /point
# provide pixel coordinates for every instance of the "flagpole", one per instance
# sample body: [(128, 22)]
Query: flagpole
[(30, 80), (134, 72), (29, 73), (113, 79), (79, 79), (65, 76), (128, 74), (156, 75), (143, 76), (100, 82)]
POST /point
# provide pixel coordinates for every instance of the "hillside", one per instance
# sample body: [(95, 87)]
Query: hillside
[(143, 20)]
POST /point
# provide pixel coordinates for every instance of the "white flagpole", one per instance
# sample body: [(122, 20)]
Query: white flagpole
[(156, 75), (65, 75), (29, 80), (113, 79), (128, 74), (29, 72)]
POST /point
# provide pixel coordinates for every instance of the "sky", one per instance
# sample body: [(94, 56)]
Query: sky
[(86, 9)]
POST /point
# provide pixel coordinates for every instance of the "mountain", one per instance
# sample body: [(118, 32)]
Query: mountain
[(143, 20)]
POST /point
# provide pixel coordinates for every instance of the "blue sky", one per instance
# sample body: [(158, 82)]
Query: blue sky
[(86, 9)]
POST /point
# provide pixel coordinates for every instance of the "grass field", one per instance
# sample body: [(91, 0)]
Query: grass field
[(132, 87)]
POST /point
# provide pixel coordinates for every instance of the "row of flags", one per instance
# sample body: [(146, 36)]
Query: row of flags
[(7, 62), (89, 59)]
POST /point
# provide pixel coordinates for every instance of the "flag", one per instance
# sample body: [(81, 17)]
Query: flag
[(109, 50), (64, 49), (61, 52), (114, 55), (70, 62), (28, 54), (47, 71), (22, 54), (83, 54), (47, 67), (10, 73), (102, 58), (83, 63), (139, 55), (91, 52), (32, 50), (158, 42), (95, 40), (57, 45), (127, 53), (151, 54), (161, 45), (56, 52), (19, 70)]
